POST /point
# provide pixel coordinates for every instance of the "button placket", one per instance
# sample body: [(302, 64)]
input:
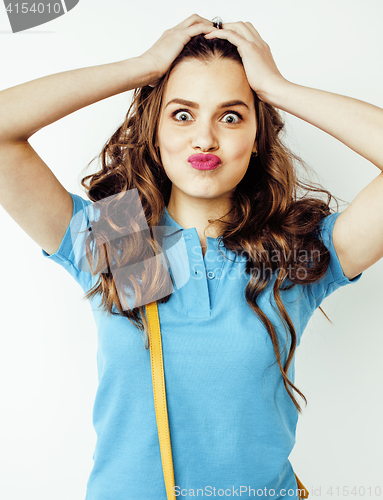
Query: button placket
[(198, 298), (214, 267)]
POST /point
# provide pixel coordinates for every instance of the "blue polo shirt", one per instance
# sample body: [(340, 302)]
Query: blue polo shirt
[(232, 423)]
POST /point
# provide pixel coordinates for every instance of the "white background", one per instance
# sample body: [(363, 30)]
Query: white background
[(48, 345)]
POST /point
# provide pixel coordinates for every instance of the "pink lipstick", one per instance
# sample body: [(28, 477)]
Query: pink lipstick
[(204, 161)]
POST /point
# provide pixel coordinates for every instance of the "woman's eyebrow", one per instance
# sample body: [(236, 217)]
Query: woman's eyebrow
[(192, 104)]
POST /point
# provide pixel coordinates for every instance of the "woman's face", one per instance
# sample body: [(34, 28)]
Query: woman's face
[(218, 118)]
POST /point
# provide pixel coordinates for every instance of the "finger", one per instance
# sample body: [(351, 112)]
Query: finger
[(254, 31), (241, 29), (196, 29), (193, 19), (247, 30), (230, 35)]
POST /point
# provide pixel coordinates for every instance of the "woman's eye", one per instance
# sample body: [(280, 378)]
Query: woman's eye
[(181, 116), (233, 117)]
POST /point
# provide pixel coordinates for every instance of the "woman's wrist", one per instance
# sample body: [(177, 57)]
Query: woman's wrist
[(275, 91), (141, 71)]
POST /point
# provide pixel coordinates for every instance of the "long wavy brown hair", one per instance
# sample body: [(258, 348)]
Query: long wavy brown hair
[(271, 213)]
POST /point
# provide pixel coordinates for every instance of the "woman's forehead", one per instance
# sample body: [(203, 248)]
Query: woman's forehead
[(217, 80)]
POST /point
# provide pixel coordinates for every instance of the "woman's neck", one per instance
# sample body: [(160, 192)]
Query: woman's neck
[(194, 212)]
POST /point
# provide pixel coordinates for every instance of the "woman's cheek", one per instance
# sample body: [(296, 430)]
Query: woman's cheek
[(173, 146)]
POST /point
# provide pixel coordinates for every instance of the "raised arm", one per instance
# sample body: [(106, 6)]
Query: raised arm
[(358, 231), (29, 191)]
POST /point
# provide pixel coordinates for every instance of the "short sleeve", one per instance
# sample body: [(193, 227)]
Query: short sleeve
[(71, 252), (334, 277)]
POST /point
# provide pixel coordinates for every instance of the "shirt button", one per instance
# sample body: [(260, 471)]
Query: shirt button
[(210, 275)]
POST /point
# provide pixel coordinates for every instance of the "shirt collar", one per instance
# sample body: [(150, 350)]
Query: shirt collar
[(169, 221)]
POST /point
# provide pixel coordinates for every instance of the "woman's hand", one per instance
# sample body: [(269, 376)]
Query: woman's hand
[(261, 70), (160, 56)]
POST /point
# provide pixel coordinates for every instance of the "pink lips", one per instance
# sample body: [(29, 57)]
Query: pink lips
[(204, 161)]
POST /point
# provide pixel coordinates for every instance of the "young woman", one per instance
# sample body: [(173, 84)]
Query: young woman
[(249, 253)]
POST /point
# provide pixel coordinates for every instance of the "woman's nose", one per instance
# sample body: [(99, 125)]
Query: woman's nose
[(204, 136)]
